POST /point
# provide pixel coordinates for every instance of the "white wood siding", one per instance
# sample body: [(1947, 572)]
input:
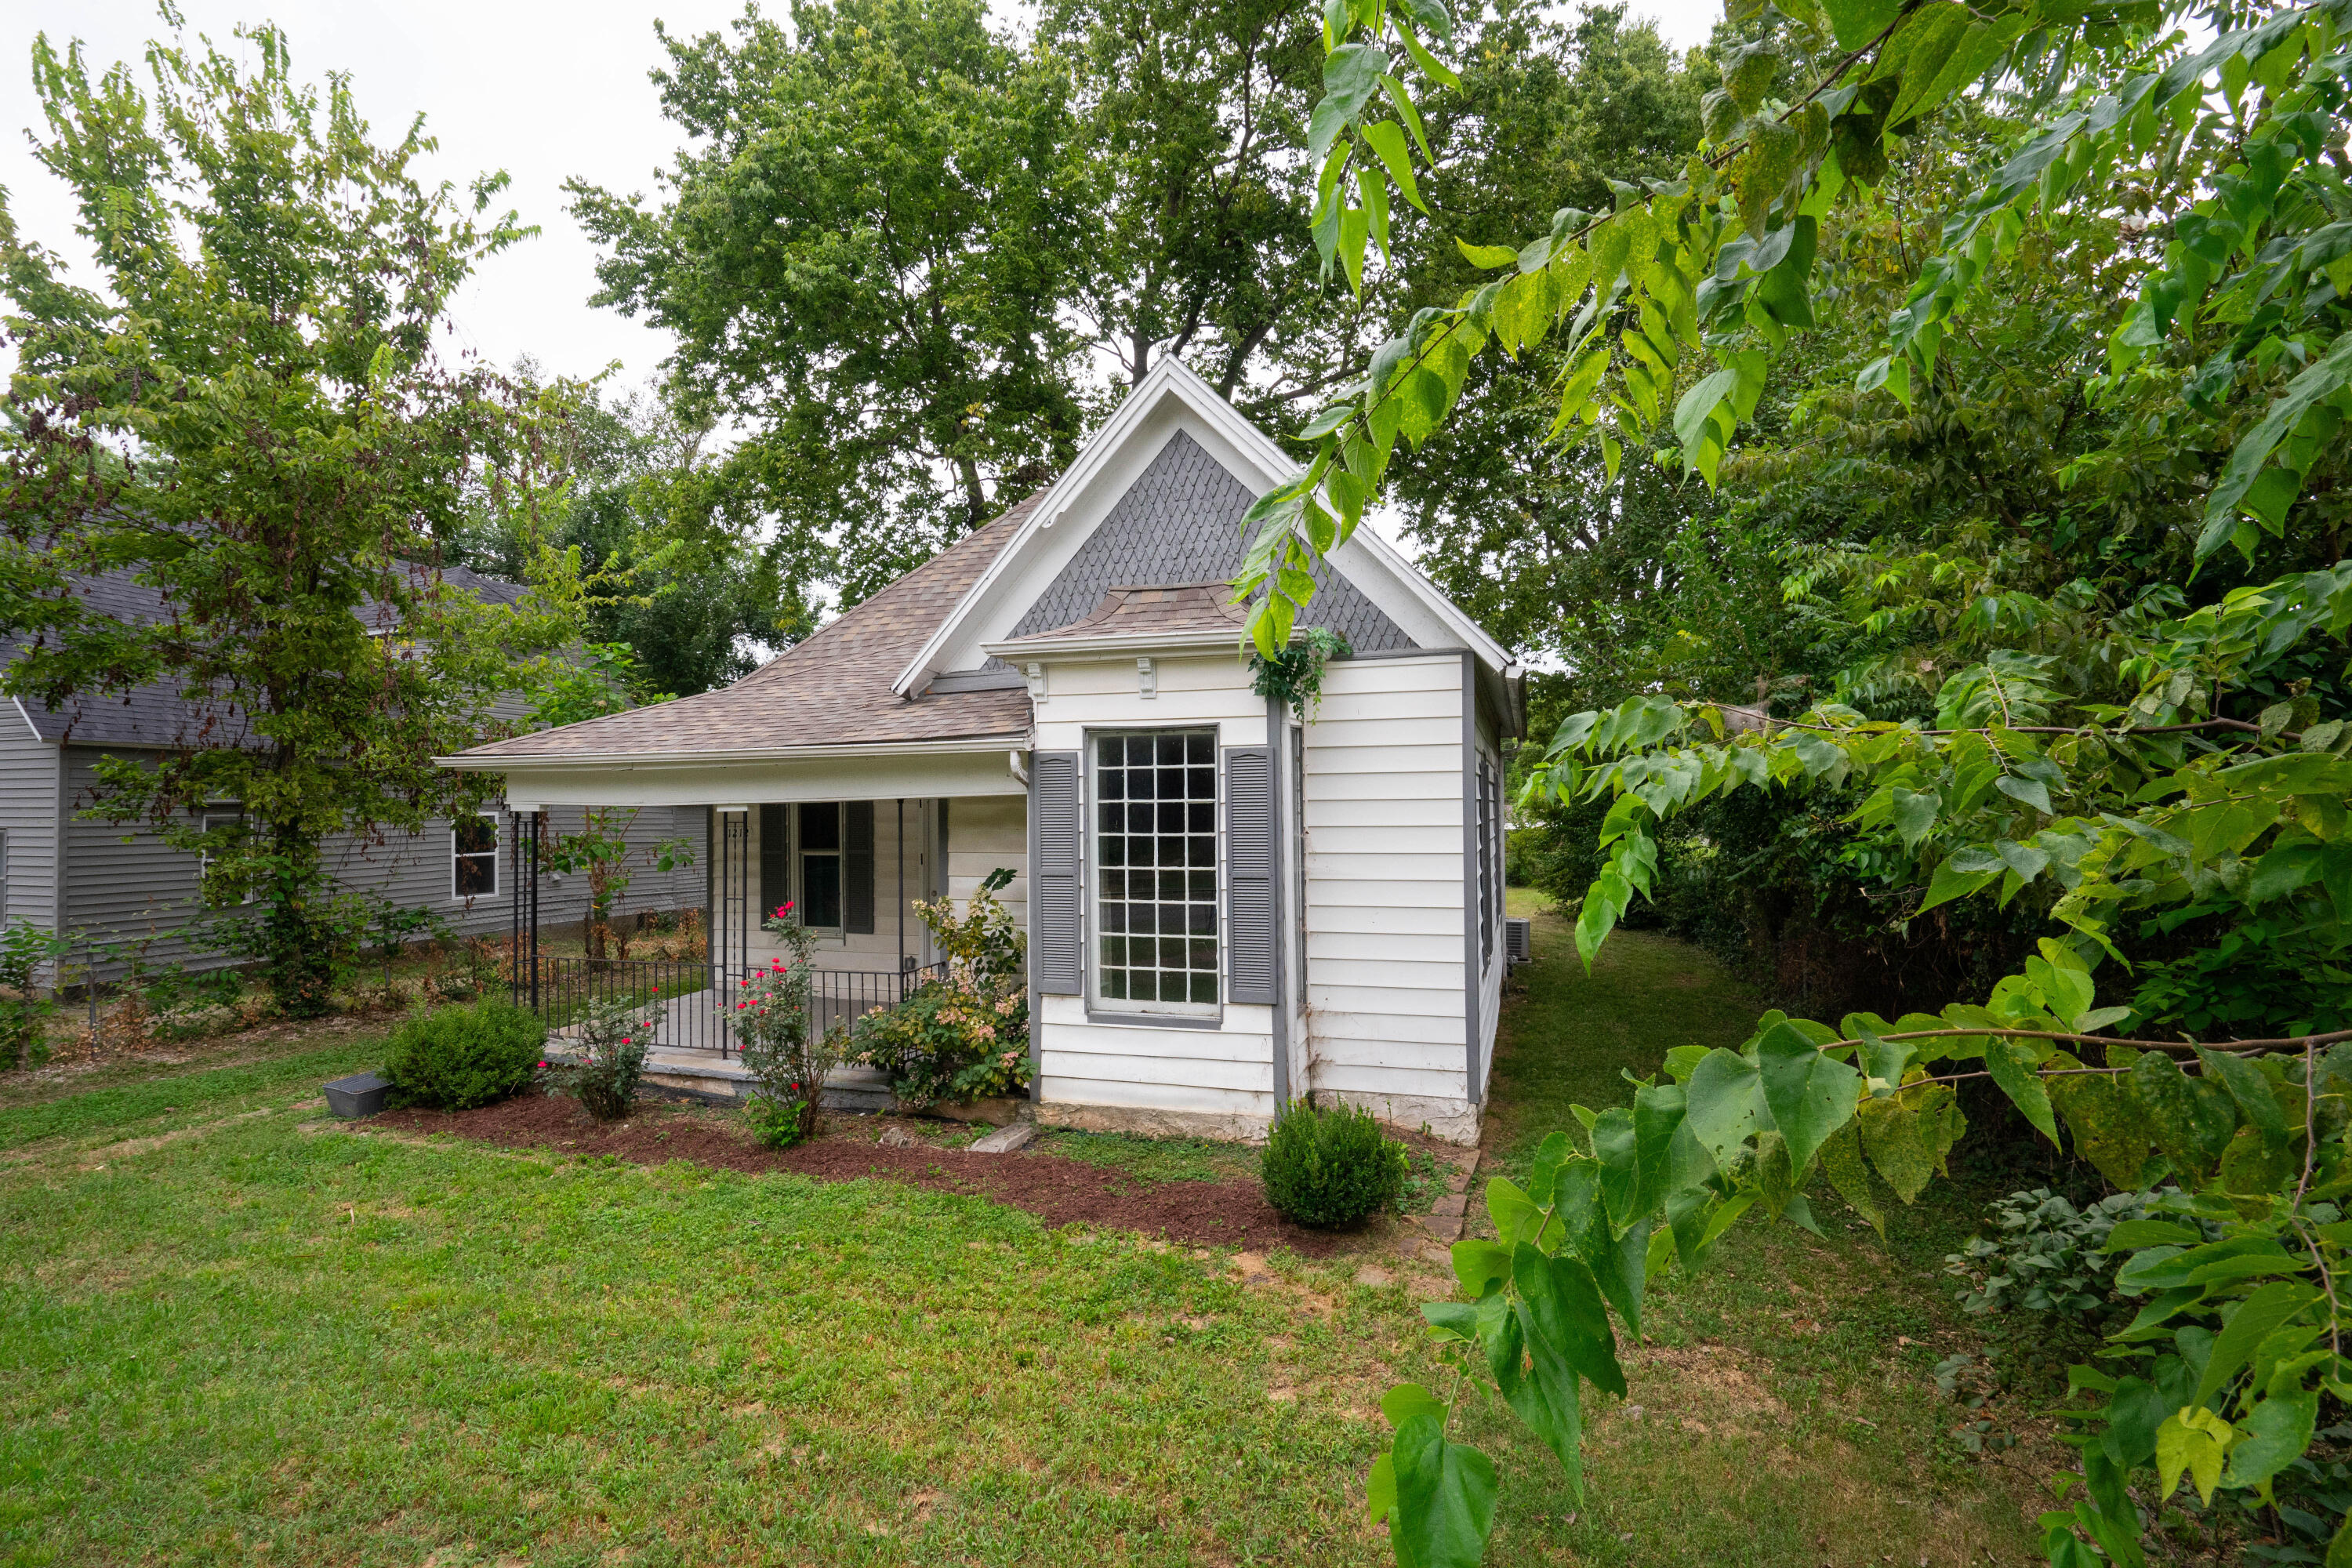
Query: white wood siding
[(1386, 983), (28, 814), (1227, 1070), (1104, 1059)]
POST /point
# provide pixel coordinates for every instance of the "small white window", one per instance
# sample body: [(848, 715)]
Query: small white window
[(474, 857), (1156, 935), (219, 814)]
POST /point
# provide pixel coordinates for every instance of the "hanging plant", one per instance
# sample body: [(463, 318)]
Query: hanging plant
[(1296, 674)]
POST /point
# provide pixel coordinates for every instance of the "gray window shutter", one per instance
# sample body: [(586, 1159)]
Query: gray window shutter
[(1251, 865), (775, 859), (857, 866), (1056, 905)]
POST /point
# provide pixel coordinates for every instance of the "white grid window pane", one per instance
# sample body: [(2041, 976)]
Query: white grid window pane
[(1156, 868)]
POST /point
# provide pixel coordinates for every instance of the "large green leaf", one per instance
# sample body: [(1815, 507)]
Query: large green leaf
[(1907, 1134), (1445, 1498), (2277, 1432), (1541, 1390), (1565, 1313), (1854, 23), (2016, 1076), (1351, 74), (2191, 1119), (2249, 1324), (2323, 379), (1721, 1109), (1811, 1094), (2250, 1089)]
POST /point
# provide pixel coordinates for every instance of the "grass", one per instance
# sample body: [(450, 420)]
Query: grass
[(1785, 1409), (1153, 1158), (229, 1330)]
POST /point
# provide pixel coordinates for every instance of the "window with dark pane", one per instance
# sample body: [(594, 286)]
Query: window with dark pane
[(820, 854), (1156, 870), (474, 858)]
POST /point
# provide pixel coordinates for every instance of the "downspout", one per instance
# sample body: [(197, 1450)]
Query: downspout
[(1473, 974), (1029, 917), (1277, 749)]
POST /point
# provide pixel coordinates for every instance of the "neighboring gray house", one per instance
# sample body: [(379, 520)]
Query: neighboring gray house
[(112, 882)]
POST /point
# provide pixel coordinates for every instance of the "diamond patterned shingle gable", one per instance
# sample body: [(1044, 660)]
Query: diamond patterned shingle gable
[(1181, 522)]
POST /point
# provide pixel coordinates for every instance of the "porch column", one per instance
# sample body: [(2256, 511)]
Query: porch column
[(904, 963), (731, 925)]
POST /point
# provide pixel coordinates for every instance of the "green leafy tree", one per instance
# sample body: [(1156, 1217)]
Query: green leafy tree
[(864, 255), (670, 562), (2056, 708), (605, 678), (249, 419)]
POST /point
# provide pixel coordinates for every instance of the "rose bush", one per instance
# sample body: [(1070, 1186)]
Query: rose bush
[(604, 1063), (786, 1056)]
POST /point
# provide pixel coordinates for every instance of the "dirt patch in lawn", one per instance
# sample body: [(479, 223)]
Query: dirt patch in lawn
[(1059, 1192)]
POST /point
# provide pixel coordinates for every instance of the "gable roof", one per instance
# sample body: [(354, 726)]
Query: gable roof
[(1180, 523), (832, 690), (1170, 386), (154, 715)]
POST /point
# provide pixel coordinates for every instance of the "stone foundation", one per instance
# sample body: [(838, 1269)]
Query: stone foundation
[(1448, 1120), (1146, 1122)]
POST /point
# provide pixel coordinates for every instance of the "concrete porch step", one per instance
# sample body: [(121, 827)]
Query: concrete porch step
[(706, 1075)]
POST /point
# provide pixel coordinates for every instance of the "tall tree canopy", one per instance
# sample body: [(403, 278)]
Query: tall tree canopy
[(865, 257), (248, 419), (917, 255)]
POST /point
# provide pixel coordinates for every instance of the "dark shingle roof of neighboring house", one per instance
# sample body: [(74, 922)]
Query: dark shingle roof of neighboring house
[(155, 714), (833, 689), (1147, 611)]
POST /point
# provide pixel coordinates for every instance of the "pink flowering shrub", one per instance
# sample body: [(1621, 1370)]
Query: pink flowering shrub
[(771, 1008), (601, 1065), (967, 1036)]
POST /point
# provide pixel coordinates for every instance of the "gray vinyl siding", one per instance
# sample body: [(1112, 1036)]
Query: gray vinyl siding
[(28, 816), (123, 883)]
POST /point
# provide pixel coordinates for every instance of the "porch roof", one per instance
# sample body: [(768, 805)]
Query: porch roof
[(1148, 617), (832, 691)]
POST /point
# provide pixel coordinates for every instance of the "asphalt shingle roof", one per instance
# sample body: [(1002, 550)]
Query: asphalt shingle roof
[(1151, 611), (832, 690), (155, 714)]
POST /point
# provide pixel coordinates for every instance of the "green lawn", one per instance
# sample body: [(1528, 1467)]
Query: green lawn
[(230, 1331)]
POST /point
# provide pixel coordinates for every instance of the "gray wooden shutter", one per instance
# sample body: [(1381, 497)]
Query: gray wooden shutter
[(1251, 865), (1057, 956), (857, 866), (775, 859)]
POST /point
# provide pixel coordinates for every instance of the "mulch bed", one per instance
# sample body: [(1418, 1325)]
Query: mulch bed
[(1059, 1192)]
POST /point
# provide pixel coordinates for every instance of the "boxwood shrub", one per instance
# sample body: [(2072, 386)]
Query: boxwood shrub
[(455, 1059), (1331, 1167)]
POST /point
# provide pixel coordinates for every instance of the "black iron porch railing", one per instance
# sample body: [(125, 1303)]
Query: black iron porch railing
[(699, 996)]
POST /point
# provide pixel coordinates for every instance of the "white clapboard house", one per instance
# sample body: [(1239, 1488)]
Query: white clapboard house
[(1227, 908)]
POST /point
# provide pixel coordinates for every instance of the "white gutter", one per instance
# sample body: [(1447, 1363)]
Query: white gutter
[(1019, 649), (469, 761)]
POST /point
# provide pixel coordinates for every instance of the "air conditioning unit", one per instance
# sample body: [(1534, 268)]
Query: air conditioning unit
[(1519, 938)]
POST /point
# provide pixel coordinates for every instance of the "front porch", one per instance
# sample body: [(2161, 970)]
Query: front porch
[(853, 870)]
